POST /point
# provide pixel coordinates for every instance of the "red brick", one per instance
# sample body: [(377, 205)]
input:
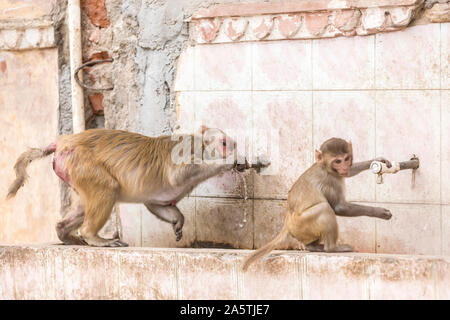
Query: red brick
[(96, 101), (96, 11)]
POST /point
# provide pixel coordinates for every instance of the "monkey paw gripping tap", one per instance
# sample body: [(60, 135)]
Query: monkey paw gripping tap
[(380, 168)]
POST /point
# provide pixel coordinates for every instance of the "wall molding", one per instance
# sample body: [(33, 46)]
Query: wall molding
[(26, 34), (307, 19)]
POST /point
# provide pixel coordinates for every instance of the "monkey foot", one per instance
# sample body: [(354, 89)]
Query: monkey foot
[(321, 248), (315, 248), (100, 242), (74, 241), (118, 243), (178, 229), (70, 239)]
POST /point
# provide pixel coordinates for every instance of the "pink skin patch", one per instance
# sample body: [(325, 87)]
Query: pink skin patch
[(59, 166), (50, 148)]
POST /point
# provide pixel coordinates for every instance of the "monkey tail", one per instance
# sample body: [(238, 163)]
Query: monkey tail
[(266, 249), (21, 166)]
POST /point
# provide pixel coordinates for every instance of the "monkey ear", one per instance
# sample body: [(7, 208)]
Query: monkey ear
[(319, 156)]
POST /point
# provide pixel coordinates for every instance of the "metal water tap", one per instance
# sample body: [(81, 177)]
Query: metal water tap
[(380, 168)]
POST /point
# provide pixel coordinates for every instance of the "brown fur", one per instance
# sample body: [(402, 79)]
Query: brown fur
[(21, 165), (109, 166), (314, 200)]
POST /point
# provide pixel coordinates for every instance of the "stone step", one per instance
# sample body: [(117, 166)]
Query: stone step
[(74, 272)]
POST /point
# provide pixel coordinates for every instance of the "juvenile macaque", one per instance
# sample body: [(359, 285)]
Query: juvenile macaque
[(317, 197), (109, 166)]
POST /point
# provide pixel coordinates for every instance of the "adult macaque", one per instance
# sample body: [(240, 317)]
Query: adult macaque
[(317, 197), (109, 166)]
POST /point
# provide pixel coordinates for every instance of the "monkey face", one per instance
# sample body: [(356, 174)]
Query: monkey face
[(341, 164), (217, 145)]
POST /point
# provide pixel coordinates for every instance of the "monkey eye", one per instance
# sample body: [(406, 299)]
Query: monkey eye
[(337, 161), (347, 158)]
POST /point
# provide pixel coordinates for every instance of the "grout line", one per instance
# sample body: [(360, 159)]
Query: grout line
[(284, 199), (375, 135), (440, 173), (312, 63), (319, 90), (440, 142), (140, 225), (375, 61), (252, 174), (440, 56), (194, 192), (194, 68), (252, 57), (312, 103)]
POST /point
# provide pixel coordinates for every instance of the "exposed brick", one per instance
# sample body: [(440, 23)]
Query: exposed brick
[(99, 56), (96, 101), (96, 11)]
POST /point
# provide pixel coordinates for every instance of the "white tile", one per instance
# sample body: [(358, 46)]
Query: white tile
[(407, 122), (223, 67), (351, 116), (344, 63), (282, 65), (283, 130), (408, 59)]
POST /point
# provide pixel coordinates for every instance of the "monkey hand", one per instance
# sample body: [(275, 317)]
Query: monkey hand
[(383, 213), (243, 164), (383, 160)]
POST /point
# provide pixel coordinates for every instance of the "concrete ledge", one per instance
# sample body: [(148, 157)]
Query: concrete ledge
[(72, 272)]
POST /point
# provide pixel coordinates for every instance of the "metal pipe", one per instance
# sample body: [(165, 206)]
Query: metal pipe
[(74, 23), (378, 167), (411, 164)]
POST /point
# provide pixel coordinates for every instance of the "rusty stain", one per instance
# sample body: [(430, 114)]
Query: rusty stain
[(3, 66), (96, 11)]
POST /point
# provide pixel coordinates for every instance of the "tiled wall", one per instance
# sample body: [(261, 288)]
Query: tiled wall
[(387, 93), (28, 119), (29, 108)]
